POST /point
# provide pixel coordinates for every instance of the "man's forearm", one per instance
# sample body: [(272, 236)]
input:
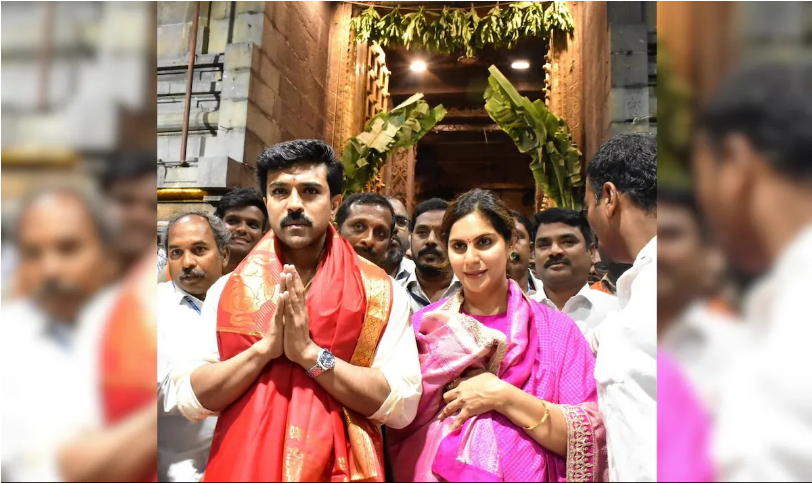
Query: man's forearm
[(362, 389), (125, 452), (218, 385)]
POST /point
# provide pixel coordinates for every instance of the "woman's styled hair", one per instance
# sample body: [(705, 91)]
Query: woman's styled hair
[(486, 204)]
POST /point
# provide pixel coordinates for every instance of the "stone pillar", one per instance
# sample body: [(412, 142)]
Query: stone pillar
[(629, 97)]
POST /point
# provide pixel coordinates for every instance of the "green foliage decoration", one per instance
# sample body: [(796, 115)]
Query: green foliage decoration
[(556, 161), (454, 30), (402, 127)]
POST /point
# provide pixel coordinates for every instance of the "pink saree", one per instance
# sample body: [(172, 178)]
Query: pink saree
[(534, 348), (683, 427)]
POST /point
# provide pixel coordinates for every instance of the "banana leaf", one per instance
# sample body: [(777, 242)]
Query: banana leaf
[(364, 155), (544, 136)]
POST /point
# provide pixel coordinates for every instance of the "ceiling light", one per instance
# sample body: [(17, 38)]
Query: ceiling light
[(418, 66), (520, 65)]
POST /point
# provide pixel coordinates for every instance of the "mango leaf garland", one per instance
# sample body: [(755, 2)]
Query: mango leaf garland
[(538, 132), (402, 127), (463, 29)]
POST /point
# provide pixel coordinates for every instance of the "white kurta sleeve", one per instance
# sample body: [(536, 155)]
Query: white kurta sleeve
[(178, 388), (396, 356)]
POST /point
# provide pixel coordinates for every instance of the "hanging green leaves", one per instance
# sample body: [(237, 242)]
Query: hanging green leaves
[(402, 127), (544, 136), (456, 29)]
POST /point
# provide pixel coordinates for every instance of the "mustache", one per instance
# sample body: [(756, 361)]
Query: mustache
[(554, 260), (296, 217), (430, 250), (56, 288), (368, 250), (191, 273)]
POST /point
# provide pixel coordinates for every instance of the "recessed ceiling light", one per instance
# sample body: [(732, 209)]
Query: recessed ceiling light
[(418, 66), (520, 65)]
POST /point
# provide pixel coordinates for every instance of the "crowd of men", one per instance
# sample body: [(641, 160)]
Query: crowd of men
[(557, 261)]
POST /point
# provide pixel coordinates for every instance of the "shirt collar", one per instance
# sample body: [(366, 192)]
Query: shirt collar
[(181, 296), (412, 280), (585, 293)]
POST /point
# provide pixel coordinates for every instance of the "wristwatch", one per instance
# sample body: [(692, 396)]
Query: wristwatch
[(324, 362)]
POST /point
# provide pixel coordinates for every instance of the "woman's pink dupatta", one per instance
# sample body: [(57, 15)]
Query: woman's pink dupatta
[(542, 352)]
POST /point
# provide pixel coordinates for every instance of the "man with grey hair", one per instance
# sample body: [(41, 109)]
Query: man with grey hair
[(53, 421), (197, 249)]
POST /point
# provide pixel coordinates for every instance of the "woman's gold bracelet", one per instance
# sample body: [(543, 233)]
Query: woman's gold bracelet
[(543, 418)]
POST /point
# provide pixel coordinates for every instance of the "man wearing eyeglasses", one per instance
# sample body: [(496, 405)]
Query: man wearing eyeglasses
[(397, 265)]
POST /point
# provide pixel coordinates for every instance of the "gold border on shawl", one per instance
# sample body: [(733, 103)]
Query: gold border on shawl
[(581, 445), (366, 443)]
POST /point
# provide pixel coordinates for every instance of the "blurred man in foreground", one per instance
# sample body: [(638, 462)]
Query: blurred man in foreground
[(129, 185), (62, 379), (701, 339), (753, 171)]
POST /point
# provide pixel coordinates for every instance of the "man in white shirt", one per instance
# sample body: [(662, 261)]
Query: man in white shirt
[(432, 279), (397, 264), (50, 348), (621, 204), (700, 339), (563, 244), (302, 183), (754, 180), (197, 245)]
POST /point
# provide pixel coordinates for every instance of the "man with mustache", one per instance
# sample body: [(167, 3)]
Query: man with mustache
[(53, 411), (433, 278), (563, 245), (310, 347), (245, 215), (397, 264), (366, 221), (197, 248)]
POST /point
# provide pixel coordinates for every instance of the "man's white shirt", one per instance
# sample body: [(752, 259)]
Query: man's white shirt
[(183, 445), (47, 363), (703, 343), (396, 357), (626, 372), (588, 308), (764, 424)]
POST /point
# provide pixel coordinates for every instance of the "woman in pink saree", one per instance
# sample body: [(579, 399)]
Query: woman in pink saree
[(508, 386)]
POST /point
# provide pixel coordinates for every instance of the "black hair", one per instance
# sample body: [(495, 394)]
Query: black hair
[(486, 204), (433, 204), (283, 155), (127, 166), (363, 199), (770, 104), (240, 198), (629, 161), (525, 222), (575, 219), (684, 198)]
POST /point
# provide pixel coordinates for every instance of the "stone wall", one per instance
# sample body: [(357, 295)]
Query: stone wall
[(260, 76), (632, 29)]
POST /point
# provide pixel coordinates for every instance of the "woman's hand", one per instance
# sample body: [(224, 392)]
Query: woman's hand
[(475, 394)]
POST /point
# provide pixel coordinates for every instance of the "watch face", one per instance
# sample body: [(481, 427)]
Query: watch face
[(327, 359)]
